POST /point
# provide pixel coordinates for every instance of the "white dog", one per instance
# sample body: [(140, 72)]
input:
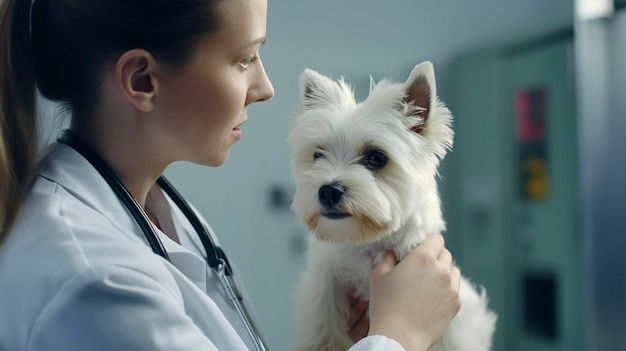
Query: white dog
[(365, 177)]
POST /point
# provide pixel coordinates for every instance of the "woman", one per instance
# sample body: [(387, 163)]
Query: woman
[(147, 83)]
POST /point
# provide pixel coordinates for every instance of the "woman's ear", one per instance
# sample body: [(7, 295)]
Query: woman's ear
[(134, 73)]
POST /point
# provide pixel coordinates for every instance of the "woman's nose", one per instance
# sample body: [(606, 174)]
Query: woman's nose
[(262, 89)]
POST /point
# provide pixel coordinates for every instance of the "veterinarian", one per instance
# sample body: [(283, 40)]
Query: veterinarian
[(100, 253)]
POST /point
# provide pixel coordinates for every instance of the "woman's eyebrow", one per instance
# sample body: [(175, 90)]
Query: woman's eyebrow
[(260, 41)]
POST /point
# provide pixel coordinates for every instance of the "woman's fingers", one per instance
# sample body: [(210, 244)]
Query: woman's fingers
[(359, 323), (455, 274), (386, 263), (433, 245), (445, 257), (414, 301)]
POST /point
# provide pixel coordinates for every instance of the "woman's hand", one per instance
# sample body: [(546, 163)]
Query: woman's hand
[(359, 321), (414, 301)]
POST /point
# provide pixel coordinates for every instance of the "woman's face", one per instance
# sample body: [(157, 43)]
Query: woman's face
[(203, 105)]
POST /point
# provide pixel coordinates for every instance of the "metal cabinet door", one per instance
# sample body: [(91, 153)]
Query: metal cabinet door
[(546, 268)]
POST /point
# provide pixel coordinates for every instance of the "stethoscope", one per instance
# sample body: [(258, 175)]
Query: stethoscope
[(216, 259)]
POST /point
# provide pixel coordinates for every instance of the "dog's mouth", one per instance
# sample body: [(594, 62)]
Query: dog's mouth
[(335, 215)]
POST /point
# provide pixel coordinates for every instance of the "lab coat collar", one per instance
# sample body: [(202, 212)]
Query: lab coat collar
[(193, 266), (66, 167)]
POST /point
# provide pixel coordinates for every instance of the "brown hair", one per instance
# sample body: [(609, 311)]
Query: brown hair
[(18, 138), (59, 47)]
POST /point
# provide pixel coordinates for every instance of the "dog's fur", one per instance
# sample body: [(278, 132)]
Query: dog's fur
[(365, 177)]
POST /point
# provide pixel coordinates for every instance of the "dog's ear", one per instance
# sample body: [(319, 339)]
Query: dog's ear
[(316, 89), (421, 90)]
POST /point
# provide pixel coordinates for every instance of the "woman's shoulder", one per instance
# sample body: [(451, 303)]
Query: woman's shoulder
[(71, 212), (59, 241), (62, 229), (58, 235), (54, 262)]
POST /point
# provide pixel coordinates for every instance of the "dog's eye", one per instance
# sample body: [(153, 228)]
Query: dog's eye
[(317, 155), (375, 160)]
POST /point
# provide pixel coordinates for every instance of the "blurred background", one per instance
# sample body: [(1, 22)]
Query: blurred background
[(534, 190)]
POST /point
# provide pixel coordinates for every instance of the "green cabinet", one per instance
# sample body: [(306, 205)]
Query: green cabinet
[(514, 175)]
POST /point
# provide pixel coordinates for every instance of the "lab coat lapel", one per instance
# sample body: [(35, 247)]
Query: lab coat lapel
[(191, 265), (74, 173)]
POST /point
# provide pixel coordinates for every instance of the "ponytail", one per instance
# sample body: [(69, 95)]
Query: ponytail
[(18, 129)]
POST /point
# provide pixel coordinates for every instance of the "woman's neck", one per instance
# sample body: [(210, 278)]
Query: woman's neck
[(128, 154)]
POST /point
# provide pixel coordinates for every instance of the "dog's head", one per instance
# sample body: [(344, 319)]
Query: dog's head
[(363, 169)]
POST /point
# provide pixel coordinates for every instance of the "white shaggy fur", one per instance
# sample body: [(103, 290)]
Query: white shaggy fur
[(365, 177)]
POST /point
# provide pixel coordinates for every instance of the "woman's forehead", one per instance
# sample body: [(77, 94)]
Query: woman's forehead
[(243, 24)]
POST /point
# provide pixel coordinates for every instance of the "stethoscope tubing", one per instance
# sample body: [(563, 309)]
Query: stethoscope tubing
[(216, 258), (68, 138)]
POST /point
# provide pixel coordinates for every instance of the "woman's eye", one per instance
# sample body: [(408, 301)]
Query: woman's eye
[(248, 60), (375, 160)]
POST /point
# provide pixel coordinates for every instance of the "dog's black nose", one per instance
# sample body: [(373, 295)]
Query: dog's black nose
[(331, 194)]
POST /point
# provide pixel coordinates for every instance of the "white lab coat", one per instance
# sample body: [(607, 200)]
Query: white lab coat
[(77, 274)]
